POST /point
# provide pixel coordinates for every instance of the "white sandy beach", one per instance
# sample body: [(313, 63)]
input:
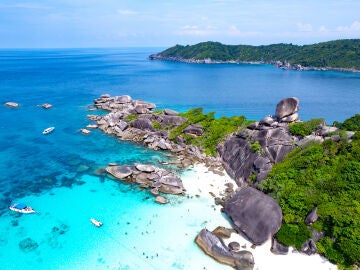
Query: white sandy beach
[(206, 182)]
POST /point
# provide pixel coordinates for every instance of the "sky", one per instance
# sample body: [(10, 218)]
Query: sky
[(164, 23)]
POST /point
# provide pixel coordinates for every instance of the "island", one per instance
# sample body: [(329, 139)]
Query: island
[(296, 182), (342, 55)]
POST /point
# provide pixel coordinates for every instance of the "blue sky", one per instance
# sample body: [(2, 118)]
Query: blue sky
[(125, 23)]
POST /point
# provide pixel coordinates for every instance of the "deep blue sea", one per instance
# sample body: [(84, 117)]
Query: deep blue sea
[(61, 175)]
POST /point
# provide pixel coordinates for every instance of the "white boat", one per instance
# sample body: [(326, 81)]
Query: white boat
[(48, 130), (96, 222), (21, 208)]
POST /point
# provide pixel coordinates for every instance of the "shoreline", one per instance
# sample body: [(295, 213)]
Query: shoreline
[(279, 64), (264, 259)]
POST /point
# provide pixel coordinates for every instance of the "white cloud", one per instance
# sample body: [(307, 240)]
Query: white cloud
[(323, 29), (187, 27), (234, 31), (304, 27), (212, 31), (354, 27), (127, 12)]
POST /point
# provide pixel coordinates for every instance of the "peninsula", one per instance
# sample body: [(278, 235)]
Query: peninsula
[(308, 168), (340, 55)]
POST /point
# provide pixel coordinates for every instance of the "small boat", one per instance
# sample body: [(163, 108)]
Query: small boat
[(48, 130), (21, 208), (96, 222)]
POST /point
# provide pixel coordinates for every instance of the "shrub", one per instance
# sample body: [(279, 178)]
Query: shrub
[(351, 124), (156, 125), (293, 234), (356, 136), (215, 130), (305, 128), (131, 117), (255, 146)]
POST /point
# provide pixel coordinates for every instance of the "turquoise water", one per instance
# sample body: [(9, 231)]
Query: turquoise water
[(61, 175)]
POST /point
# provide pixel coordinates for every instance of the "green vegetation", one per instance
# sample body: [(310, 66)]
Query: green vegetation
[(305, 128), (255, 146), (336, 54), (132, 117), (293, 234), (325, 175), (215, 130), (351, 124)]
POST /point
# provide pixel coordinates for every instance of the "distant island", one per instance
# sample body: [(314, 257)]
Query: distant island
[(341, 55)]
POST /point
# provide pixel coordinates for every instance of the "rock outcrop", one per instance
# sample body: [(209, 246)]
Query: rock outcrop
[(254, 150), (215, 247), (241, 159), (149, 176), (223, 232), (134, 120), (194, 130), (309, 247), (12, 104), (46, 106), (278, 248), (170, 112), (254, 214), (286, 110), (312, 216)]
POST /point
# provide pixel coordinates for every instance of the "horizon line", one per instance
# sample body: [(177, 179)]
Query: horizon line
[(163, 46)]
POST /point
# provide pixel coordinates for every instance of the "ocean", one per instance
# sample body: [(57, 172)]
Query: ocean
[(61, 174)]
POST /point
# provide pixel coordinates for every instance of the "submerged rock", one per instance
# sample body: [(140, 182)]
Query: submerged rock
[(161, 200), (254, 214), (28, 245)]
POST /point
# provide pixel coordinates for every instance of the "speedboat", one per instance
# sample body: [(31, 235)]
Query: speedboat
[(96, 222), (48, 130), (21, 208)]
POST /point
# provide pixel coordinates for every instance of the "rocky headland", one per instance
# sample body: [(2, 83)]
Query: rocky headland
[(247, 156)]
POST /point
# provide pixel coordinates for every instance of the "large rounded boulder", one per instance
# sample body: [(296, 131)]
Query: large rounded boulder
[(286, 107), (254, 214)]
